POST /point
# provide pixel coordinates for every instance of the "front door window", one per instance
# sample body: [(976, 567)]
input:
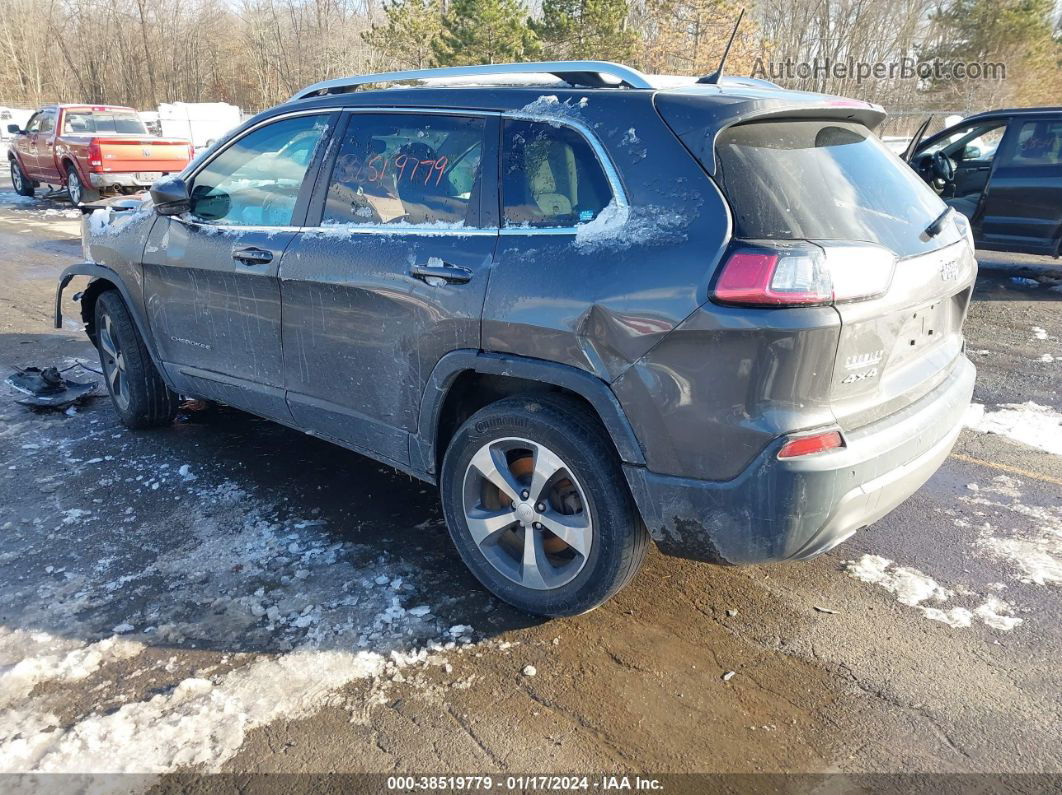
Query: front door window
[(256, 181)]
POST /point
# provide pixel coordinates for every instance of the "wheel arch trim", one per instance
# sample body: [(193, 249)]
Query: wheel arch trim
[(445, 373)]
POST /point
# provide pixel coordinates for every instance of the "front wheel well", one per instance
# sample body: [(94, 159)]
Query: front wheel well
[(472, 391), (89, 296)]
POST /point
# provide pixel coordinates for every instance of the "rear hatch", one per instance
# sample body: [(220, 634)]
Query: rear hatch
[(829, 188)]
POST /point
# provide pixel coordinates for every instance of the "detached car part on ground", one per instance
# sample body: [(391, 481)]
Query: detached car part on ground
[(731, 323), (90, 150)]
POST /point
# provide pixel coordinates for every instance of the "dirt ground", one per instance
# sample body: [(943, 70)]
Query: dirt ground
[(228, 595)]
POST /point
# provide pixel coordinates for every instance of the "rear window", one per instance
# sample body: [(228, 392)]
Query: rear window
[(108, 122), (822, 180)]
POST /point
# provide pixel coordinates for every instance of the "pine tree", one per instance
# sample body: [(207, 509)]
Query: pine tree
[(406, 39), (586, 29), (1016, 33), (484, 31)]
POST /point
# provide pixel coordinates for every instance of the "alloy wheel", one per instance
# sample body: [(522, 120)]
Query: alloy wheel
[(73, 187), (16, 177), (527, 513), (113, 361)]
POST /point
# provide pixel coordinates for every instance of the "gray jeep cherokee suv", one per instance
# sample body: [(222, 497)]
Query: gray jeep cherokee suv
[(591, 307)]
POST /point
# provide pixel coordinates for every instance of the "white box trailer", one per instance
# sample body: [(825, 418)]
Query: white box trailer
[(200, 122)]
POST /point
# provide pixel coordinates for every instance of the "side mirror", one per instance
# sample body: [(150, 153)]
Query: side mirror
[(170, 196), (14, 129)]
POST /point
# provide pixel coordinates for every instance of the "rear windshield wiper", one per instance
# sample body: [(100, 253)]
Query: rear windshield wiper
[(938, 223)]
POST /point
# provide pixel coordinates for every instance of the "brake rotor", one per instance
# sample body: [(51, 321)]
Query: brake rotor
[(523, 468)]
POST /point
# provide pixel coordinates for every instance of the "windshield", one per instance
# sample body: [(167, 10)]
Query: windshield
[(823, 180), (110, 122)]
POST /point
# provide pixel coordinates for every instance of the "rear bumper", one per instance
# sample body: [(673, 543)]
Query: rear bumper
[(124, 179), (797, 508)]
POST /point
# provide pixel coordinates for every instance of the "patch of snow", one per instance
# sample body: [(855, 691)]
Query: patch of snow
[(913, 587), (225, 570), (550, 109), (99, 220), (618, 227), (994, 613), (1029, 423), (1036, 554), (201, 722), (1039, 333), (28, 659), (10, 197)]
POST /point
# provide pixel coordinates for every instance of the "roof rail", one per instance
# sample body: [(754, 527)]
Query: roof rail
[(590, 74)]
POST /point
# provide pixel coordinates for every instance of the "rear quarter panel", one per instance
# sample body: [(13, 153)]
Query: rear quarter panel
[(599, 305)]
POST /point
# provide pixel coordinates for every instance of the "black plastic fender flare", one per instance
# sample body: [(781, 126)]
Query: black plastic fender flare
[(595, 391), (102, 273)]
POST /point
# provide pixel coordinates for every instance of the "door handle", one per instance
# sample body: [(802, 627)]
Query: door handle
[(252, 256), (454, 274)]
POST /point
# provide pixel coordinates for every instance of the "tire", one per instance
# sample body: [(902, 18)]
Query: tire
[(23, 185), (586, 499), (77, 190), (138, 392)]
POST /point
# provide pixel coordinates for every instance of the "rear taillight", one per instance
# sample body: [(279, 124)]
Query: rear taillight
[(773, 278), (803, 274), (809, 445), (95, 156)]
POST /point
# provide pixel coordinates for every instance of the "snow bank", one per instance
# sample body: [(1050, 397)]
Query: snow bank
[(28, 659), (201, 722)]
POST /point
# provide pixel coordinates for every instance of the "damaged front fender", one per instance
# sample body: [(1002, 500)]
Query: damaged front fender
[(102, 278)]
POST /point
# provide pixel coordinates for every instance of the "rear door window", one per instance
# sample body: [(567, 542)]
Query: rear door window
[(550, 176), (406, 168), (823, 180), (1038, 143)]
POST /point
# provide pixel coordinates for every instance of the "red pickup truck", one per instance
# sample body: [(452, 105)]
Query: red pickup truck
[(90, 149)]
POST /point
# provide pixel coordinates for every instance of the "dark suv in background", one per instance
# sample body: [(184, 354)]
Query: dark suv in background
[(1002, 170), (592, 310)]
